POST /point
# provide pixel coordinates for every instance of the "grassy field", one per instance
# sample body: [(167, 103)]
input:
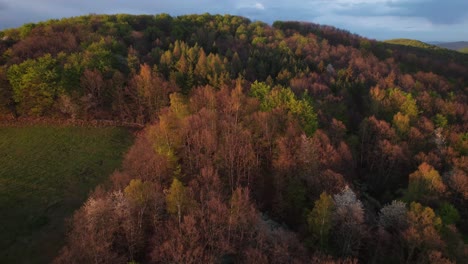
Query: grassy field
[(464, 50), (412, 43), (45, 174)]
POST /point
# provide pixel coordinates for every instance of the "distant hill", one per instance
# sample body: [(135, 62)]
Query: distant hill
[(412, 43), (458, 45)]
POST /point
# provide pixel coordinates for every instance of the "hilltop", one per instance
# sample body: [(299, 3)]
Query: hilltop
[(412, 43)]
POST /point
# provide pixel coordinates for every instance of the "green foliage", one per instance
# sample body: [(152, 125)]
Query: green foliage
[(440, 121), (165, 141), (35, 85), (73, 69), (295, 198), (365, 45), (260, 90), (25, 29), (462, 144), (98, 56), (412, 43), (101, 55), (448, 214), (403, 102), (46, 173), (6, 93), (284, 98), (319, 220), (387, 103), (306, 114)]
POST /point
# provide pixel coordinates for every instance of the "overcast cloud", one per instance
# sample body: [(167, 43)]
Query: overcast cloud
[(426, 20)]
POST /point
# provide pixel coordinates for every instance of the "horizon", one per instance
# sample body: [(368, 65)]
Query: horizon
[(427, 21)]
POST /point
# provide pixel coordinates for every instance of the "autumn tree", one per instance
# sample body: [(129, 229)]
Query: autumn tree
[(235, 154), (388, 242), (242, 217), (424, 184), (348, 219), (139, 193), (268, 118), (140, 202), (320, 219), (458, 181), (176, 199), (422, 234), (153, 92), (93, 237), (166, 135), (401, 123), (381, 158), (201, 140), (393, 216), (387, 102), (143, 162), (93, 86)]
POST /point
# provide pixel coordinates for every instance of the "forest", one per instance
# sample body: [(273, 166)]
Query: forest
[(285, 143)]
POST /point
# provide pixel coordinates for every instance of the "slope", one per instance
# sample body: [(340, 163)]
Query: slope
[(46, 174), (412, 43)]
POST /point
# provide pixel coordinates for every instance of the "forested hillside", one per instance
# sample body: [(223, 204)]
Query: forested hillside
[(284, 143)]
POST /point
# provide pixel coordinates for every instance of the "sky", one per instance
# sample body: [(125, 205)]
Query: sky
[(425, 20)]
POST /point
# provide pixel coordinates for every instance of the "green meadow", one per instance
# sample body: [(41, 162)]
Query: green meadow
[(45, 174)]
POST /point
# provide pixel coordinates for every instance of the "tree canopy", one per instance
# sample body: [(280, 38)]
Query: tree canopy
[(284, 143)]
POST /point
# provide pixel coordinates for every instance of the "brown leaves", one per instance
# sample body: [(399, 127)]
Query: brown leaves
[(422, 233), (458, 181)]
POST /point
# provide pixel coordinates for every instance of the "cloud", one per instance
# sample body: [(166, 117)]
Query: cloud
[(423, 19), (259, 6), (436, 11), (389, 23), (249, 5), (250, 9)]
